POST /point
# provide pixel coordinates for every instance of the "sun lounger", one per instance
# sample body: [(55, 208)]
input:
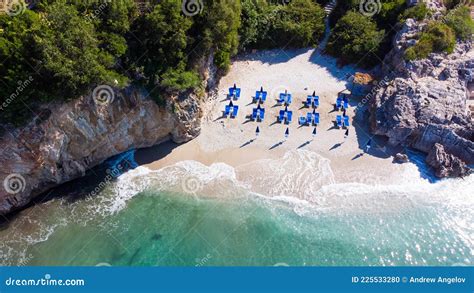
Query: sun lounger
[(235, 112), (302, 120), (281, 98), (309, 118), (284, 98), (289, 117), (316, 118), (339, 121), (338, 103), (281, 116), (235, 92), (262, 114), (254, 113), (346, 121), (316, 101), (226, 110), (262, 96), (346, 103), (309, 101)]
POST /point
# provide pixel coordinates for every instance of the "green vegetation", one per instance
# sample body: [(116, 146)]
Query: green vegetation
[(460, 21), (264, 26), (441, 37), (355, 39), (450, 4), (417, 12), (63, 48), (382, 25), (437, 37)]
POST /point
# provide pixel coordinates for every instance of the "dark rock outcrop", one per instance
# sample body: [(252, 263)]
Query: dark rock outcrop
[(447, 165)]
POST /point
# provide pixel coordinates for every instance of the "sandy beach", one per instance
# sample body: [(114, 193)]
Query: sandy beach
[(233, 141)]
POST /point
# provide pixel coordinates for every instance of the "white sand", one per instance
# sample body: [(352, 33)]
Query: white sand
[(301, 72)]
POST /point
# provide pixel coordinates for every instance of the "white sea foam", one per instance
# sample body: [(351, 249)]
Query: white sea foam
[(302, 180)]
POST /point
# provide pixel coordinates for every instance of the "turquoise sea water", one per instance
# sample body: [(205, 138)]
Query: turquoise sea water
[(147, 219)]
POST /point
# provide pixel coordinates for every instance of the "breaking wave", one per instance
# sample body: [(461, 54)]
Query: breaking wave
[(302, 181)]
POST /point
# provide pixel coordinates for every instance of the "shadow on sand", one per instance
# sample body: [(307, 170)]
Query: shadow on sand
[(247, 143), (276, 145)]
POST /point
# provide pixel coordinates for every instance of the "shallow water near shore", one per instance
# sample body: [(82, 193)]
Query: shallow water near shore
[(196, 215)]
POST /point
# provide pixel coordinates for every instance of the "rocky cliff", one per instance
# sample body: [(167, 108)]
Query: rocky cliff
[(70, 138), (424, 105)]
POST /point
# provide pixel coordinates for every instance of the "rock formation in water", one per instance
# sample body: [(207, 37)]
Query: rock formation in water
[(424, 105), (80, 134)]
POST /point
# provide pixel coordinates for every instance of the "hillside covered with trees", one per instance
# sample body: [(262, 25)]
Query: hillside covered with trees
[(60, 49)]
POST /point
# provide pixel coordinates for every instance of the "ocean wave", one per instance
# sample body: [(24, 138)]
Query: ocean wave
[(301, 180)]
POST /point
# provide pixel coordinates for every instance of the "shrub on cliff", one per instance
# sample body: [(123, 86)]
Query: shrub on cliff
[(354, 39), (178, 79), (417, 12), (437, 37), (460, 21)]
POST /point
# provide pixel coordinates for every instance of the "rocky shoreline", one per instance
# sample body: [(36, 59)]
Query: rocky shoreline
[(80, 134), (424, 104)]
